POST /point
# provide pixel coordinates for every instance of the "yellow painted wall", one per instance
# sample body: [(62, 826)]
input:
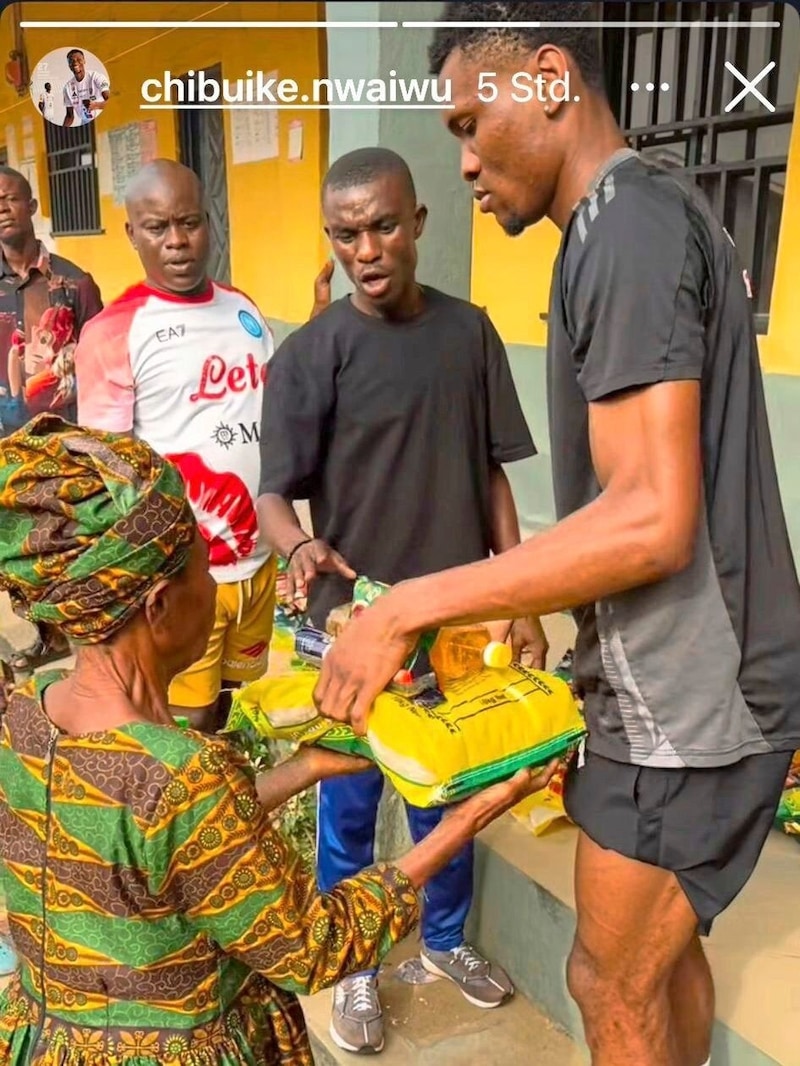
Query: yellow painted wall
[(511, 278), (780, 349), (277, 243)]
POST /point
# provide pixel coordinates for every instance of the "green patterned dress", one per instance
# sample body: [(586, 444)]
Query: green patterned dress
[(159, 919)]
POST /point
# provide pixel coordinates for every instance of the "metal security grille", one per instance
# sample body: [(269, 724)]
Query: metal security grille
[(201, 139), (72, 173), (738, 156)]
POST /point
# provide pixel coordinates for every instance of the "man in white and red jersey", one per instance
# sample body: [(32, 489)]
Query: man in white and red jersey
[(181, 361)]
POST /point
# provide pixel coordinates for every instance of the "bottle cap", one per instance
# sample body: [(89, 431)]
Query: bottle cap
[(497, 655)]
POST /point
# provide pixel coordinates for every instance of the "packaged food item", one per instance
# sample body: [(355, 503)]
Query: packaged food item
[(311, 645), (365, 592), (287, 619), (487, 727), (565, 668), (459, 651), (337, 619), (787, 817), (543, 809), (417, 675), (793, 777), (282, 708)]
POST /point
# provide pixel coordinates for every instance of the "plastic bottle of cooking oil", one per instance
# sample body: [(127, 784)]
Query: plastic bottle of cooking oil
[(464, 650)]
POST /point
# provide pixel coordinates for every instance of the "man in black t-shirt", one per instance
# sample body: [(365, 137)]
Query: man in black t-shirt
[(392, 412), (671, 545)]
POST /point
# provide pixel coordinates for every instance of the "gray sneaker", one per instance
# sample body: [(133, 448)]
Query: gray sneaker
[(357, 1020), (482, 983)]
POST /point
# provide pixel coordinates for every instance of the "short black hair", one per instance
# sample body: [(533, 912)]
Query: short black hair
[(75, 52), (365, 165), (582, 43), (24, 184), (47, 86)]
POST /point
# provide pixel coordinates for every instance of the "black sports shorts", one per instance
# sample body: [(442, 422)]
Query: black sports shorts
[(707, 826)]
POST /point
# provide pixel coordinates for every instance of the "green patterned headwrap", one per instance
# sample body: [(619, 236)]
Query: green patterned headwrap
[(89, 522)]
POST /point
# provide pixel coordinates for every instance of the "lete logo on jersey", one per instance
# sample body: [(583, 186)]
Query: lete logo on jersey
[(250, 324), (218, 378)]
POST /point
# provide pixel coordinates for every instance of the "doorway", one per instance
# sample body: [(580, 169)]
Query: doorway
[(201, 146)]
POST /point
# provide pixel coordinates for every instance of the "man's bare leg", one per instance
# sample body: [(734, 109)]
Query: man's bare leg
[(635, 928), (691, 994)]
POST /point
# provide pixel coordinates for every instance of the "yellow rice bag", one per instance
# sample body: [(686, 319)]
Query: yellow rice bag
[(490, 725), (543, 809)]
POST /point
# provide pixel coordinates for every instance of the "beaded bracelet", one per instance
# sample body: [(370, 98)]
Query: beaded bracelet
[(294, 549)]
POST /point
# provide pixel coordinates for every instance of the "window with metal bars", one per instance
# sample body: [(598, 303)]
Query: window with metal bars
[(737, 156), (72, 174)]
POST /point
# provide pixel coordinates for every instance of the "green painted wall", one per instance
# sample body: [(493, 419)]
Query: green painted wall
[(783, 400), (418, 135), (281, 330), (531, 479)]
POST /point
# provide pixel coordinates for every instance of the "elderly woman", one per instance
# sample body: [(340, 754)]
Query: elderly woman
[(158, 917)]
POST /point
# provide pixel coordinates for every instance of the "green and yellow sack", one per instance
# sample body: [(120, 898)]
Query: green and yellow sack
[(490, 725)]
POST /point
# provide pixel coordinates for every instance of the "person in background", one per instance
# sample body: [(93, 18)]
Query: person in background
[(322, 289), (189, 926), (671, 544), (392, 412), (85, 93), (46, 102), (180, 361), (45, 302)]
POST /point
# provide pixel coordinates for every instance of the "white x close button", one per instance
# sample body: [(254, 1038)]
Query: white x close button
[(750, 86)]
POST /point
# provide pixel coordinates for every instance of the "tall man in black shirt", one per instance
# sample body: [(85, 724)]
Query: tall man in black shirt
[(671, 544), (392, 412)]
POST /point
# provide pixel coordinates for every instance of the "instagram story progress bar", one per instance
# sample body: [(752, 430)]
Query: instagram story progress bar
[(199, 23), (256, 90)]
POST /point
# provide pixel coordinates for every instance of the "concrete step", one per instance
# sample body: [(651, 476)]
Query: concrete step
[(433, 1025)]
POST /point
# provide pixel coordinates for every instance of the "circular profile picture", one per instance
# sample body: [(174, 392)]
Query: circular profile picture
[(70, 87)]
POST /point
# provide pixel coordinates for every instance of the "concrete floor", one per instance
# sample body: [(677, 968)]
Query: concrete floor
[(433, 1025)]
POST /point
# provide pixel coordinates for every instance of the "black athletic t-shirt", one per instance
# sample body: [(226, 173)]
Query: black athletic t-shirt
[(390, 430), (703, 668)]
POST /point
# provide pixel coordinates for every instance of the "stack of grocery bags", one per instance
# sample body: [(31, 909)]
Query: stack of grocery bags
[(788, 817), (460, 716)]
